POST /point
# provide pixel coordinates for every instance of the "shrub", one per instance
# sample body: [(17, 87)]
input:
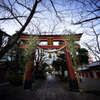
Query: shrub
[(57, 75), (41, 76), (64, 79), (15, 79)]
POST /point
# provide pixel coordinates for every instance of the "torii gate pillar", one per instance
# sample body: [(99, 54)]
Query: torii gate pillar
[(73, 84), (28, 78)]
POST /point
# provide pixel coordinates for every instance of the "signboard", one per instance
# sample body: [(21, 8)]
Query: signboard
[(50, 41)]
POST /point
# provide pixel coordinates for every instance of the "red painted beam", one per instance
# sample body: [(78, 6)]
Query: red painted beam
[(23, 38), (23, 47), (43, 47), (45, 37), (48, 47)]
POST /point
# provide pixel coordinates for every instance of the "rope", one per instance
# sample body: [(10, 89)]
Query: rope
[(51, 51)]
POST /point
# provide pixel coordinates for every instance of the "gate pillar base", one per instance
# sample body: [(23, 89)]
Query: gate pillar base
[(73, 85), (28, 85)]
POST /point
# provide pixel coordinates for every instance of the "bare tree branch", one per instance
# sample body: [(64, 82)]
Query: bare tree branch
[(87, 20), (11, 11), (92, 51), (9, 18), (23, 5), (96, 37), (55, 10)]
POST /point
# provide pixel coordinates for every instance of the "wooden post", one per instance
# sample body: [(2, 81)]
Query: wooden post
[(28, 78), (73, 84)]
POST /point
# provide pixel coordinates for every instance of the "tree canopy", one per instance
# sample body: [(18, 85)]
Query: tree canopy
[(83, 56)]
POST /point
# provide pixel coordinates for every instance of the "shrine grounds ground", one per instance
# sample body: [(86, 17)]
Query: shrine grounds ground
[(90, 87)]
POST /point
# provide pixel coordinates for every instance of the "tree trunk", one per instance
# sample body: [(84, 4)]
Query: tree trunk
[(1, 38)]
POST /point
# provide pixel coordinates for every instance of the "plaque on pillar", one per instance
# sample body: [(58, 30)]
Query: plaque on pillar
[(50, 41)]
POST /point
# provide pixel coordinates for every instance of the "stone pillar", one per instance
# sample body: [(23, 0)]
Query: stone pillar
[(73, 84), (28, 79)]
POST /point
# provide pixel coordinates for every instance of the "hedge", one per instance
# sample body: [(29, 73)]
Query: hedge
[(64, 79), (15, 79)]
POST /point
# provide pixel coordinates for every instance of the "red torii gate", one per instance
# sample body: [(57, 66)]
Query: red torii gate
[(73, 84)]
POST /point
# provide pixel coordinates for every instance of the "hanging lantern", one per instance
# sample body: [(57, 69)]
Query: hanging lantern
[(42, 54), (58, 54), (49, 55)]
